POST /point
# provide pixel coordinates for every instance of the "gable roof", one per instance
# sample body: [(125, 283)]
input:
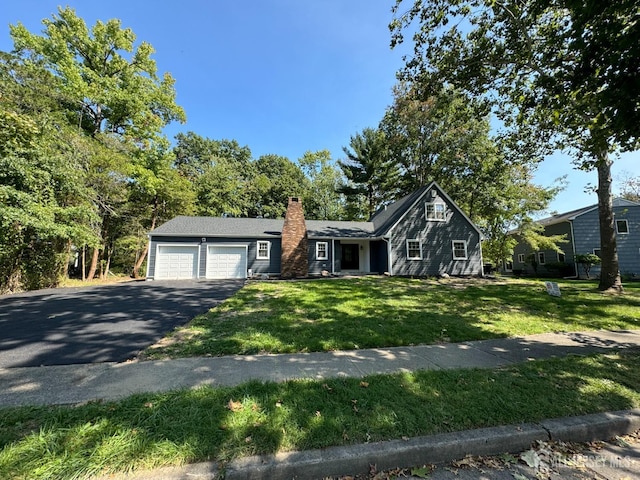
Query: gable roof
[(379, 224), (386, 217), (573, 214)]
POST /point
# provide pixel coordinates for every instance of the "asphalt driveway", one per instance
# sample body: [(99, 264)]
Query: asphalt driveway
[(109, 323)]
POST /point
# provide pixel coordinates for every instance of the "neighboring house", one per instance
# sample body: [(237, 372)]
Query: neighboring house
[(582, 231), (422, 234)]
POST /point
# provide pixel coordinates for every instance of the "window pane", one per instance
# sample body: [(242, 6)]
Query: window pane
[(459, 250), (263, 249), (413, 249), (622, 226)]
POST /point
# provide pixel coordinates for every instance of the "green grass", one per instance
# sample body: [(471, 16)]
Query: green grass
[(152, 430), (369, 312)]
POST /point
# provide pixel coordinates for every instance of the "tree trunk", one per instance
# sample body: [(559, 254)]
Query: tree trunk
[(94, 264), (609, 268), (143, 254)]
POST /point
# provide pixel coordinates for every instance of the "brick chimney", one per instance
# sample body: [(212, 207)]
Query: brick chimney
[(295, 250)]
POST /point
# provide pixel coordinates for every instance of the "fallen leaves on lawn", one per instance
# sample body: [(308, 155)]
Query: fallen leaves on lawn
[(234, 406)]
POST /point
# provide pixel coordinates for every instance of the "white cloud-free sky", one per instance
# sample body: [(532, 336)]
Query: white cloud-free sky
[(280, 76)]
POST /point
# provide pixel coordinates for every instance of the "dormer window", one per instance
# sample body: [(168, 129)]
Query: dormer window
[(435, 211)]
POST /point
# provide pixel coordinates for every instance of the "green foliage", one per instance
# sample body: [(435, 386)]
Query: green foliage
[(111, 85), (322, 200), (276, 179), (371, 175), (587, 260), (556, 74), (220, 424)]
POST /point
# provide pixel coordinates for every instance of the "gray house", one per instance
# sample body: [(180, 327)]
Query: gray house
[(582, 231), (422, 234)]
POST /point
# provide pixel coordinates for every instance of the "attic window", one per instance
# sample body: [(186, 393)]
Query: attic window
[(622, 226), (435, 211)]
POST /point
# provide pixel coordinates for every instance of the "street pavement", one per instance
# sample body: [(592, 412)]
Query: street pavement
[(72, 384)]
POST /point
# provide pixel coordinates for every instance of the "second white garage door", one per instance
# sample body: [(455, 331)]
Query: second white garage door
[(227, 262)]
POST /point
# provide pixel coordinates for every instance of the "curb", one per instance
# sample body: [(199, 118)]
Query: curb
[(356, 459), (433, 449)]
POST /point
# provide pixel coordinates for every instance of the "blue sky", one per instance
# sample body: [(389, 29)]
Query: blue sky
[(280, 76)]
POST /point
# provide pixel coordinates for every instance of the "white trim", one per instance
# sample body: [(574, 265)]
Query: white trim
[(564, 255), (176, 244), (435, 212), (326, 251), (447, 198), (419, 248), (389, 255), (618, 232), (149, 258), (521, 258), (233, 245), (542, 258), (599, 249), (453, 249), (258, 242)]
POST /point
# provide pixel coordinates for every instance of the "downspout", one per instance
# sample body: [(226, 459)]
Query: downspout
[(573, 245), (389, 255)]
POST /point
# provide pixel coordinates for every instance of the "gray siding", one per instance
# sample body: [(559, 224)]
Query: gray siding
[(587, 231), (271, 266), (317, 266), (436, 238)]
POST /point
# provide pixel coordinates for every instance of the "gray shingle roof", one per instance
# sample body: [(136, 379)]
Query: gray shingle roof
[(333, 229), (219, 227), (563, 217), (379, 224)]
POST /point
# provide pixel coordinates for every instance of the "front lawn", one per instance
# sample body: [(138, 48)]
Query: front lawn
[(370, 312)]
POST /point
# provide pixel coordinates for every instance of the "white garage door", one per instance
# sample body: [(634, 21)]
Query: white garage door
[(177, 262), (227, 262)]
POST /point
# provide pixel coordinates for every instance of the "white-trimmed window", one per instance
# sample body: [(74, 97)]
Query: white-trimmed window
[(322, 250), (541, 258), (561, 257), (435, 211), (521, 258), (263, 250), (622, 226), (459, 248), (414, 249), (598, 252)]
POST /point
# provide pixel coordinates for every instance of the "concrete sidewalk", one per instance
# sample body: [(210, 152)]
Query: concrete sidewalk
[(111, 381), (70, 384)]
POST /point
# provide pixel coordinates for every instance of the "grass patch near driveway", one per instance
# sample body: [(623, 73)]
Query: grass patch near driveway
[(152, 430), (370, 312)]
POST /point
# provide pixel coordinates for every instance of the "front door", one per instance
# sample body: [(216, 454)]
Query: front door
[(350, 257)]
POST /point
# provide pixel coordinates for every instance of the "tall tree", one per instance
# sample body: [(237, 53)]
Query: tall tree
[(322, 201), (564, 70), (371, 176), (110, 87), (44, 205), (276, 179)]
